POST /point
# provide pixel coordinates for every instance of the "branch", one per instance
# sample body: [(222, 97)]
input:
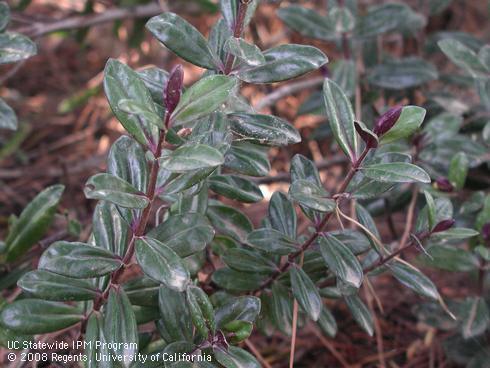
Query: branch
[(81, 21), (287, 90)]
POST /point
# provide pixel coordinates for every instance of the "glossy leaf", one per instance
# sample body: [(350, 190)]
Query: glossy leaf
[(109, 228), (236, 280), (284, 62), (398, 172), (327, 322), (450, 258), (409, 121), (135, 108), (185, 234), (281, 308), (192, 157), (202, 98), (341, 118), (235, 187), (247, 53), (51, 286), (201, 309), (401, 74), (78, 260), (248, 159), (123, 335), (120, 83), (8, 119), (308, 22), (229, 9), (34, 316), (463, 56), (458, 170), (155, 79), (282, 214), (161, 263), (246, 260), (15, 47), (33, 222), (110, 188), (311, 196), (230, 221), (183, 39), (235, 357), (264, 129), (242, 308), (176, 318), (360, 313), (4, 15), (270, 240), (412, 278), (306, 293), (340, 259)]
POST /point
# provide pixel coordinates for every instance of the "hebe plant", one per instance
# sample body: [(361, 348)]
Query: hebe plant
[(162, 252)]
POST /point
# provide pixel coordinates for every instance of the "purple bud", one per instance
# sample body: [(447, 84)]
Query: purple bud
[(386, 121), (173, 89), (485, 233), (443, 225), (444, 185), (369, 139)]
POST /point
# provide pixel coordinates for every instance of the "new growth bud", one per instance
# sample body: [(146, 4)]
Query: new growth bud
[(443, 226), (386, 121), (173, 89), (444, 185)]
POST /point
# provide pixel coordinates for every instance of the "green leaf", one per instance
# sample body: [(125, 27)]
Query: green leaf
[(34, 316), (282, 214), (110, 188), (236, 280), (109, 229), (127, 161), (161, 263), (342, 19), (311, 196), (238, 331), (33, 222), (243, 51), (96, 342), (284, 62), (235, 357), (242, 308), (176, 317), (247, 159), (229, 221), (306, 293), (397, 172), (78, 260), (341, 117), (476, 317), (431, 209), (229, 9), (185, 234), (327, 322), (123, 335), (8, 119), (155, 79), (402, 74), (409, 121), (281, 308), (308, 22), (15, 47), (360, 313), (412, 278), (463, 57), (455, 233), (458, 170), (246, 260), (203, 98), (120, 83), (303, 168), (201, 309), (183, 39), (264, 129), (340, 259), (4, 15), (192, 157), (235, 187), (142, 291), (133, 107), (270, 240), (450, 258), (50, 286)]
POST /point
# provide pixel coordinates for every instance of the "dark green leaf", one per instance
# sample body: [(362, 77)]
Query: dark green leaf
[(306, 293), (409, 121), (242, 308), (202, 312), (155, 79), (229, 221), (282, 308), (264, 129), (311, 196), (183, 39), (327, 322), (450, 258), (476, 317), (15, 47), (284, 62), (34, 316), (360, 313), (308, 22), (458, 170), (33, 222), (78, 260), (8, 119), (109, 229), (4, 15), (192, 157), (237, 281), (243, 51), (270, 240), (176, 317), (248, 159), (203, 98), (235, 187), (282, 214), (341, 117), (340, 259), (248, 261), (142, 291), (463, 57), (145, 112), (412, 278), (51, 286), (397, 172), (161, 263), (235, 357), (229, 9), (401, 74)]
